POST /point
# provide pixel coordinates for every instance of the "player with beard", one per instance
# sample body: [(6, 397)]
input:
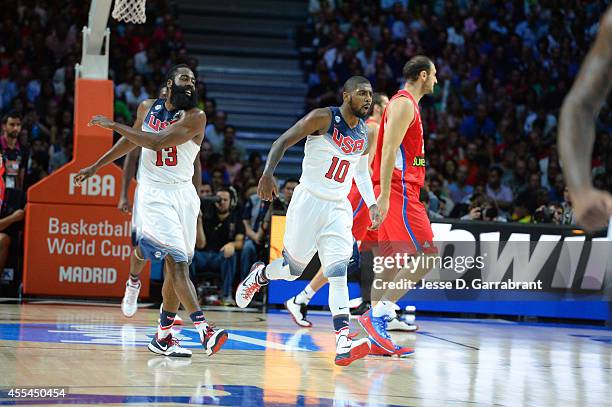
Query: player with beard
[(399, 174), (319, 217), (129, 303), (166, 204)]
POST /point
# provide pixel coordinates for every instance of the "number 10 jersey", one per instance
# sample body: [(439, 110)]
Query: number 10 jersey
[(329, 161)]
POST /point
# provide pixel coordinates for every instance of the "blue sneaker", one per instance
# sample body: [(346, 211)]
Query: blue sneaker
[(376, 327)]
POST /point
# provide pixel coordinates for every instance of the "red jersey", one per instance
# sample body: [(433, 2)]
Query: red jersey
[(410, 159)]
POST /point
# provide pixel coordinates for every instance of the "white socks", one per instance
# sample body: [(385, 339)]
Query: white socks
[(305, 295), (338, 296)]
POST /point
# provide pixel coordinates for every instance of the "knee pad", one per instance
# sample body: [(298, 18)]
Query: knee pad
[(295, 269), (338, 269)]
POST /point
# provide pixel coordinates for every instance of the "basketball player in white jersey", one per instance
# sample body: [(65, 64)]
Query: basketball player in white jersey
[(319, 217), (129, 303), (166, 204)]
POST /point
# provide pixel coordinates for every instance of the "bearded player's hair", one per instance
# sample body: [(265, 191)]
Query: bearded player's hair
[(172, 72)]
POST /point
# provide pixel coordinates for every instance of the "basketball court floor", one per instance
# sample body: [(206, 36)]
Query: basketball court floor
[(97, 356)]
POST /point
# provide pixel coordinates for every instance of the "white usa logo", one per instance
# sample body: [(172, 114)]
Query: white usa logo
[(337, 119), (157, 107)]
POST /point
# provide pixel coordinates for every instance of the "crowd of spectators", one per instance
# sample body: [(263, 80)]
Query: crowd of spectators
[(503, 69), (40, 43)]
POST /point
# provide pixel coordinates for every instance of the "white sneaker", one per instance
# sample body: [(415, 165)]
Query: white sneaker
[(249, 286), (177, 319), (349, 350), (298, 312), (403, 323), (129, 304), (169, 346)]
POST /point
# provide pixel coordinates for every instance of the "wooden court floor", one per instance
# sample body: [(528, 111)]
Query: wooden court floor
[(99, 357)]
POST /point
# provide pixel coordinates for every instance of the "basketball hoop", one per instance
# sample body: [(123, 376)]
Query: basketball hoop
[(130, 11)]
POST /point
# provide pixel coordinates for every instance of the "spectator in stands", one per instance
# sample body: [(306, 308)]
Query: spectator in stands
[(477, 125), (14, 161), (229, 144), (460, 192), (205, 190), (568, 211), (136, 94), (220, 234), (214, 132), (483, 208), (218, 179), (519, 177), (500, 193)]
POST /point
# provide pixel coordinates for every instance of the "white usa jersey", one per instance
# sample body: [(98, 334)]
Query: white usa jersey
[(329, 161), (171, 165)]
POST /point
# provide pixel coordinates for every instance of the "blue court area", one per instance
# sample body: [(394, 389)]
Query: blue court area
[(130, 335)]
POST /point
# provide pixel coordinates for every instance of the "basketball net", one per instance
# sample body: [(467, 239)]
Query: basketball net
[(130, 11)]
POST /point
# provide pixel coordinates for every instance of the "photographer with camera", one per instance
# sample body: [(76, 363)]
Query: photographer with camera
[(552, 213), (483, 208), (220, 234)]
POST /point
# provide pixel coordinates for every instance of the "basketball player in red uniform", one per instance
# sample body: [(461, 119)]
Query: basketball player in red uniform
[(399, 174)]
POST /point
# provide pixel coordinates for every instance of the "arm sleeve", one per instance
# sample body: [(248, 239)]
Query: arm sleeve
[(364, 182)]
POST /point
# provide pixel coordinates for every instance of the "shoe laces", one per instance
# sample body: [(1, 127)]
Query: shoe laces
[(251, 290), (171, 341), (381, 326), (210, 330), (131, 293)]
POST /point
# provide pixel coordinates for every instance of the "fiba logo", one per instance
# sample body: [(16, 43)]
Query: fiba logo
[(95, 186)]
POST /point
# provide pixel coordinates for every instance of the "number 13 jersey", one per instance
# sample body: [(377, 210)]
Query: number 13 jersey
[(171, 165), (330, 159)]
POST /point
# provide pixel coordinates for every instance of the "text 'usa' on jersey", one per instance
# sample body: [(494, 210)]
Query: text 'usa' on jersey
[(329, 161), (171, 165), (410, 157)]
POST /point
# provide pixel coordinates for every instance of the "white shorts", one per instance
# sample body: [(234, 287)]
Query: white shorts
[(164, 221), (318, 225)]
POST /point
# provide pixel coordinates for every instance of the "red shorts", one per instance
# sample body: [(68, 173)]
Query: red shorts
[(406, 229), (361, 218)]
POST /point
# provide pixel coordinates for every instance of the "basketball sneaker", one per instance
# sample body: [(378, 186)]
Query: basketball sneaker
[(399, 351), (298, 312), (250, 285), (213, 339), (168, 346), (361, 308), (402, 323), (349, 350), (177, 320), (376, 327), (129, 304)]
